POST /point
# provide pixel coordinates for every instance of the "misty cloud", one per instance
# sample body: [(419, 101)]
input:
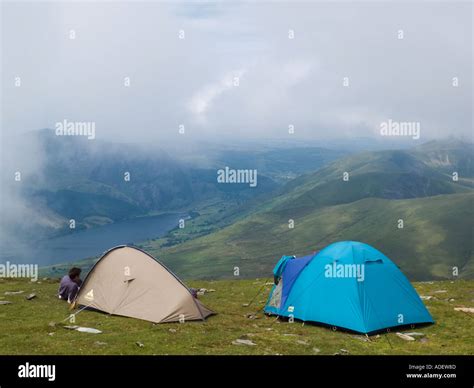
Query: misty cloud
[(282, 81)]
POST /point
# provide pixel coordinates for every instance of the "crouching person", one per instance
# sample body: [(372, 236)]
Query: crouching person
[(70, 285)]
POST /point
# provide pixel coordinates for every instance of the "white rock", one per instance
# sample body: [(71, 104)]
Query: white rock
[(83, 329), (30, 297), (405, 337), (90, 330), (465, 309), (243, 342), (301, 342)]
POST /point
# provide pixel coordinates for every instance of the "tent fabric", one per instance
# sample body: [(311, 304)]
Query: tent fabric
[(280, 266), (129, 282), (292, 270), (350, 285)]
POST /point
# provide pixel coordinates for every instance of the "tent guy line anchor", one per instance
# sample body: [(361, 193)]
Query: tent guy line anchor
[(77, 312)]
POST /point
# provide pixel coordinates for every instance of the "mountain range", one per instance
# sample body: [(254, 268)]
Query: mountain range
[(415, 186), (414, 204)]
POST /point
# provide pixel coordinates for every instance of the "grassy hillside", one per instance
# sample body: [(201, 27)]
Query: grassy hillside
[(437, 235), (36, 326), (381, 174), (383, 187)]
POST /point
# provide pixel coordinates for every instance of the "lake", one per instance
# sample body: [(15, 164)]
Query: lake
[(91, 242)]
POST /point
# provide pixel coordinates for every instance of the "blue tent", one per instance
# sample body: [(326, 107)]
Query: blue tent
[(348, 284)]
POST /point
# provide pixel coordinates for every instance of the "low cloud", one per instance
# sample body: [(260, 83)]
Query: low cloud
[(201, 102), (283, 81)]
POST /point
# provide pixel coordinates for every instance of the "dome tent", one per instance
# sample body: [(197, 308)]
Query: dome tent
[(129, 282), (348, 284)]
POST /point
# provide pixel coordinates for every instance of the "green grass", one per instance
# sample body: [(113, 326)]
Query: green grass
[(25, 326)]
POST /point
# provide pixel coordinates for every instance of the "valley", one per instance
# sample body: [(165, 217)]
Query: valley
[(385, 190)]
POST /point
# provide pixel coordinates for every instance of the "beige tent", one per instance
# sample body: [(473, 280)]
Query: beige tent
[(129, 282)]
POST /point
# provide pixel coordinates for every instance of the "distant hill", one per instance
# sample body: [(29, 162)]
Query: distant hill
[(281, 164), (383, 187), (444, 155)]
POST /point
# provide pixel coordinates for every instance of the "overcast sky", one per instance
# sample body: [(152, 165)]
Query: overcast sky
[(281, 81)]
